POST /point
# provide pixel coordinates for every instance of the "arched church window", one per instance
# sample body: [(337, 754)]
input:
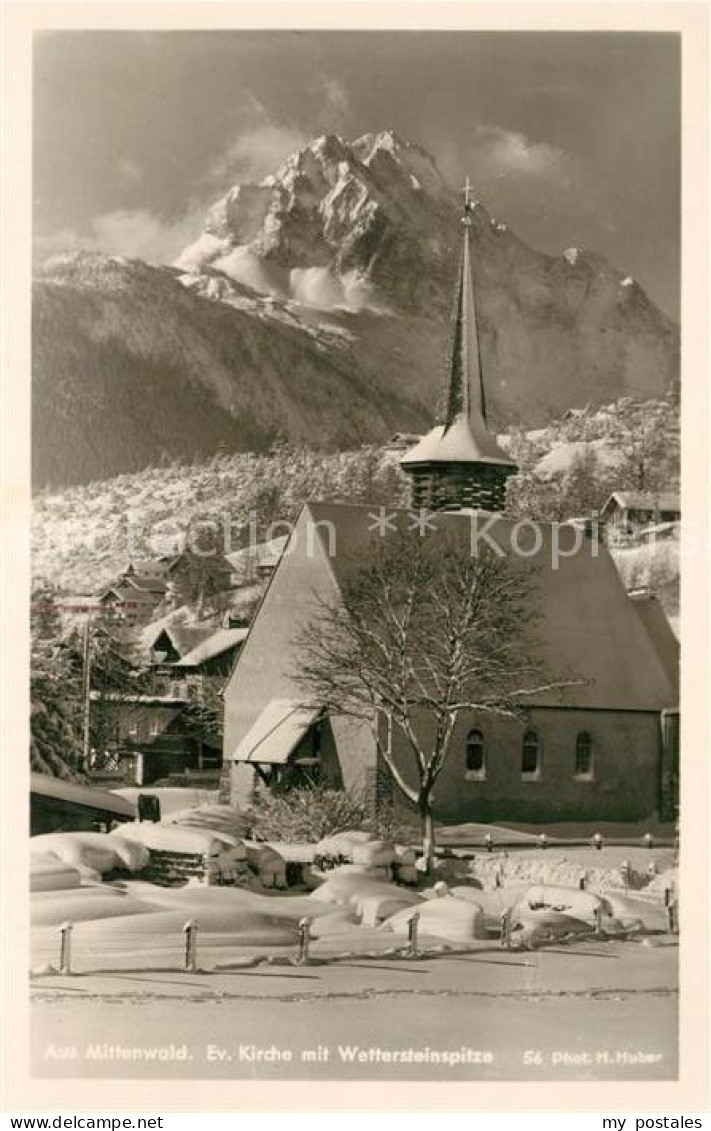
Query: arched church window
[(475, 755), (584, 755), (531, 754)]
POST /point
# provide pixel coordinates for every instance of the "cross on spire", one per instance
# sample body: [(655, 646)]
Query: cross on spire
[(468, 202)]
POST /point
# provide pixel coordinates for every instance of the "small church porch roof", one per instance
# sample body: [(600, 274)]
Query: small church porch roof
[(276, 732)]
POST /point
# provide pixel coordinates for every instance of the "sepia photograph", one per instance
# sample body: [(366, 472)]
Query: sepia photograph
[(356, 552)]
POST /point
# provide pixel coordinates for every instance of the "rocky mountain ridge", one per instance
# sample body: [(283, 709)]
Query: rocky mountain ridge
[(314, 306)]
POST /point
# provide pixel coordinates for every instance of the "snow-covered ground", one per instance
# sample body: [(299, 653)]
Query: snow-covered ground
[(434, 964), (596, 1011)]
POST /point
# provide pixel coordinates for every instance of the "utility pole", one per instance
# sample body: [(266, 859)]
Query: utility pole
[(86, 750)]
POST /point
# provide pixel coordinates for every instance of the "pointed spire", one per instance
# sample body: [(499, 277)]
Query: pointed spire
[(459, 463), (466, 385)]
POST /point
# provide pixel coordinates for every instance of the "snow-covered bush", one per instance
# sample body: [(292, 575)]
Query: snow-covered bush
[(308, 815)]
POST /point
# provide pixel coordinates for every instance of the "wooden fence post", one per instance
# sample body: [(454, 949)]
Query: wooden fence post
[(191, 932), (304, 940), (65, 948), (412, 935)]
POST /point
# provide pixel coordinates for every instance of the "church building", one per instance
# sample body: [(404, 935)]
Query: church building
[(602, 749)]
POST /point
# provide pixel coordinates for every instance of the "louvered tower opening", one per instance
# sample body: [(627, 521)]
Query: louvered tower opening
[(459, 486)]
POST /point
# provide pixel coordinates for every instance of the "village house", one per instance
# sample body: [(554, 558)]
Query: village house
[(146, 570), (75, 609), (144, 585), (214, 657), (602, 749), (165, 641), (151, 736), (628, 512), (128, 604), (256, 562), (62, 806), (197, 576), (164, 725), (178, 647)]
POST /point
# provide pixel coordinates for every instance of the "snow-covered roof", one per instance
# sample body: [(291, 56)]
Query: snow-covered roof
[(152, 631), (45, 786), (262, 554), (582, 601), (462, 442), (565, 457), (662, 531), (144, 584), (644, 500), (183, 633), (661, 633), (130, 593), (589, 628), (149, 566), (138, 700), (276, 732), (78, 602), (221, 641), (663, 528), (172, 798), (405, 438)]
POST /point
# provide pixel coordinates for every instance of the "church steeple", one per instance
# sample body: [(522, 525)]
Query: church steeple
[(466, 388), (459, 464)]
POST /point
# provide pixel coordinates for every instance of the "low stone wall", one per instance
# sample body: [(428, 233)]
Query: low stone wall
[(172, 869)]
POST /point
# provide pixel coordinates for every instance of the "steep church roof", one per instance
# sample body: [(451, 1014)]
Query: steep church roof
[(657, 624), (590, 629)]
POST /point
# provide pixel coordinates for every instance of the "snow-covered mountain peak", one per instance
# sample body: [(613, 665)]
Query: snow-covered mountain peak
[(334, 213), (231, 347), (372, 223), (387, 140), (329, 147)]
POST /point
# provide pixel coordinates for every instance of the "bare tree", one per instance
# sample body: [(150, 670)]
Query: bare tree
[(422, 632)]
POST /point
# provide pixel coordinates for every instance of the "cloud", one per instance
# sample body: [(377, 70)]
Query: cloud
[(255, 152), (258, 146), (242, 265), (138, 233), (141, 233), (262, 142), (319, 287), (45, 245), (335, 107), (499, 153)]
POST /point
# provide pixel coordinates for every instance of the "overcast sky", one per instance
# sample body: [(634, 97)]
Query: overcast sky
[(573, 139)]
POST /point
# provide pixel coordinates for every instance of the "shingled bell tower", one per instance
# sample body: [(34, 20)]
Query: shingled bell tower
[(459, 464)]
